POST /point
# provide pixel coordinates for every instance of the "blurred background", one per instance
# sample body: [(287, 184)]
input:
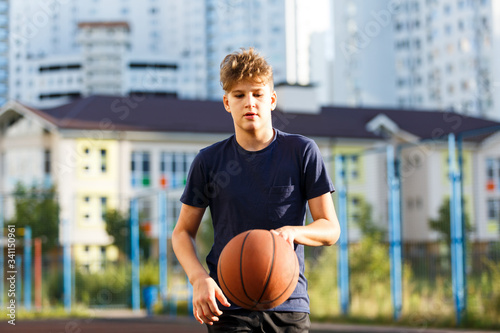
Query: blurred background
[(105, 103)]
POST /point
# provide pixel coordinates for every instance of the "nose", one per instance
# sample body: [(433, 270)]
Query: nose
[(250, 101)]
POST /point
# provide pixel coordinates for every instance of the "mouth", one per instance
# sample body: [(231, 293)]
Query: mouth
[(250, 115)]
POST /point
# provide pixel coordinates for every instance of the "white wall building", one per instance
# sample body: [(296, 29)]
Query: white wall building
[(194, 35), (364, 72), (445, 55), (104, 66), (268, 26), (418, 54), (4, 50), (103, 47)]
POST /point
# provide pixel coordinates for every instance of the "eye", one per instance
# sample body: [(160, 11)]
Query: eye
[(239, 95)]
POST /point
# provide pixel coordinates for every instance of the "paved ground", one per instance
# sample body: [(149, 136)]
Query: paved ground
[(129, 322)]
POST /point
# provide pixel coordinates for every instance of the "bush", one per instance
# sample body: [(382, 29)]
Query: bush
[(110, 286)]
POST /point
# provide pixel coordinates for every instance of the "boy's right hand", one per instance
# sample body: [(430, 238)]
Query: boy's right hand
[(205, 293)]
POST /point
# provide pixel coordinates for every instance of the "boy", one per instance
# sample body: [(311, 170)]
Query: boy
[(259, 178)]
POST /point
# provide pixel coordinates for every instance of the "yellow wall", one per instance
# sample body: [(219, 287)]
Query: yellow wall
[(89, 203), (91, 184), (352, 164), (89, 162), (467, 167), (93, 256)]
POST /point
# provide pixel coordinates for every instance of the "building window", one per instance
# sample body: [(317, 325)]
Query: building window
[(103, 161), (46, 162), (354, 167), (174, 168), (409, 203), (103, 208), (140, 169), (355, 204), (447, 9), (451, 89), (492, 174), (493, 207), (418, 203)]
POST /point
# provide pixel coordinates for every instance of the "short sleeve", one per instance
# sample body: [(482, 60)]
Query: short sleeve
[(196, 185), (316, 178)]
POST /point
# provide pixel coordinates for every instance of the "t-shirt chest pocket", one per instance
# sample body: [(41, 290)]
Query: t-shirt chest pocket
[(282, 202), (279, 194)]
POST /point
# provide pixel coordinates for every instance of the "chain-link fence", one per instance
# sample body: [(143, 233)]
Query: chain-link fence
[(430, 280), (412, 189)]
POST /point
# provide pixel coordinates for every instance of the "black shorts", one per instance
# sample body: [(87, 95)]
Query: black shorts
[(261, 321)]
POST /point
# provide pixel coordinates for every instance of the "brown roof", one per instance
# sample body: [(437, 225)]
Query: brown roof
[(162, 114), (104, 24)]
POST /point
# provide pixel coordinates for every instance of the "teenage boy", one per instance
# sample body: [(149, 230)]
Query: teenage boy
[(259, 178)]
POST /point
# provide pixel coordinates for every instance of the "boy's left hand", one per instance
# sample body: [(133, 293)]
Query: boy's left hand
[(287, 232)]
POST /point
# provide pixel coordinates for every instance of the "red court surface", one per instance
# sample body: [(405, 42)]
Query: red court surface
[(175, 325)]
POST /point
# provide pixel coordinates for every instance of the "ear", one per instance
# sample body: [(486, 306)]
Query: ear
[(225, 100), (274, 100)]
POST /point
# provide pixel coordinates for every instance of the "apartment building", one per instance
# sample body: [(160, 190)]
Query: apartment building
[(192, 35), (418, 54)]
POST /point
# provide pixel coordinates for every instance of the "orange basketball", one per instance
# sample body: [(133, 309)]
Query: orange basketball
[(258, 270)]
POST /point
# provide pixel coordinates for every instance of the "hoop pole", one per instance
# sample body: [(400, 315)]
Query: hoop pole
[(395, 232), (456, 232), (162, 243), (67, 285), (343, 254), (27, 268), (134, 253)]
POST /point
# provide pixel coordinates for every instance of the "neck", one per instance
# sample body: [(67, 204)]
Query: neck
[(255, 141)]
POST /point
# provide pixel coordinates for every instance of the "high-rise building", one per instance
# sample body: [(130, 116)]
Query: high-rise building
[(45, 38), (194, 35), (4, 50), (269, 26), (103, 46), (364, 72), (436, 54), (445, 55)]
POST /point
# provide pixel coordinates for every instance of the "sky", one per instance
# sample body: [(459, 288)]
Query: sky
[(313, 17), (316, 14)]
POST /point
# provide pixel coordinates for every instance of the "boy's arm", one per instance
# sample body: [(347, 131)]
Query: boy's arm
[(324, 230), (205, 289)]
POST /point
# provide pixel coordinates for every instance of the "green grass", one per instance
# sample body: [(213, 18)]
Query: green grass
[(425, 303), (57, 312)]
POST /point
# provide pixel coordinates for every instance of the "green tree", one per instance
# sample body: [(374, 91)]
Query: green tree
[(118, 226), (442, 223), (37, 208), (365, 221)]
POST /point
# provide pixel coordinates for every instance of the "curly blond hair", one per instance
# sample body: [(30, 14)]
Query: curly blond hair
[(245, 65)]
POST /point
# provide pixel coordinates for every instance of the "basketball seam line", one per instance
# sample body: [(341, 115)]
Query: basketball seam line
[(289, 284), (227, 287), (241, 268), (270, 271), (288, 287)]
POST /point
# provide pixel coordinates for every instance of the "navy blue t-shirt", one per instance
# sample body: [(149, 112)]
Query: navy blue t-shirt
[(266, 189)]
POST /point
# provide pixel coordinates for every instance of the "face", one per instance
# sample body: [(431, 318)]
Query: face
[(250, 104)]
